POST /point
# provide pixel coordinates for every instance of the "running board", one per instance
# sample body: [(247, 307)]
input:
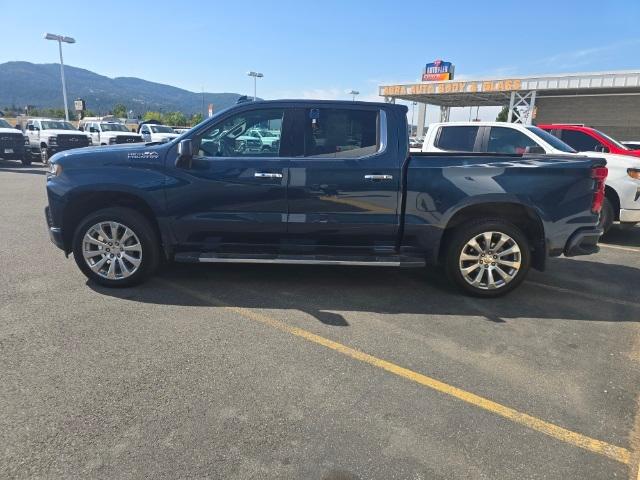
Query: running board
[(384, 261)]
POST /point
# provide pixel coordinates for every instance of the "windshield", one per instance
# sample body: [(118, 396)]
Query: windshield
[(57, 125), (609, 139), (113, 127), (555, 142), (161, 129), (4, 123)]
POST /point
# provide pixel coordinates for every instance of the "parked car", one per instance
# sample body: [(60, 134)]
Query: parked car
[(13, 144), (48, 137), (632, 144), (110, 133), (415, 142), (157, 133), (621, 203), (341, 189), (586, 139)]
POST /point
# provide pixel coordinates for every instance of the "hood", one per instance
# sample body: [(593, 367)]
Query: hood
[(165, 135), (11, 130), (115, 134), (123, 154), (55, 131)]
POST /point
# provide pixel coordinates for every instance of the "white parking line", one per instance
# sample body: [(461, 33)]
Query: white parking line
[(617, 247), (590, 296)]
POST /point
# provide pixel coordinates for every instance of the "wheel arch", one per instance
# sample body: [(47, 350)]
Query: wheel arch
[(612, 196), (82, 204), (522, 216)]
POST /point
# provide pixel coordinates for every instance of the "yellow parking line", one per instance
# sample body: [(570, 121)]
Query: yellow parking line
[(613, 452), (618, 247)]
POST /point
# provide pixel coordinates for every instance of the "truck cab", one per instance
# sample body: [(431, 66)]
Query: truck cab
[(110, 133), (48, 137), (13, 144)]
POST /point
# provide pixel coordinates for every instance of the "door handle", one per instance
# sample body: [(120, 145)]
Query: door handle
[(267, 175), (378, 177)]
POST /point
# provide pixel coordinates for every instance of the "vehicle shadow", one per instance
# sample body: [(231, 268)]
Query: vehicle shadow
[(627, 237), (324, 292), (17, 167)]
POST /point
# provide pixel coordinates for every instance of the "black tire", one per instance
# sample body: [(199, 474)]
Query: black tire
[(607, 215), (26, 158), (464, 234), (150, 256)]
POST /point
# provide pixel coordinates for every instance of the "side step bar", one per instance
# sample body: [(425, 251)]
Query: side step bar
[(384, 261)]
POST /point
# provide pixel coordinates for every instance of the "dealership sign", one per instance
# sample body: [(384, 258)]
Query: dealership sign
[(486, 86), (438, 70)]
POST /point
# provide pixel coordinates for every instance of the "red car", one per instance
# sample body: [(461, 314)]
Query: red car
[(587, 139)]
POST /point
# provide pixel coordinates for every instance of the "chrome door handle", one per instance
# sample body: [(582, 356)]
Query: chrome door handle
[(378, 177), (267, 175)]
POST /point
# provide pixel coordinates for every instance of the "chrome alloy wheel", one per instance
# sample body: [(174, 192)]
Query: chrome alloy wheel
[(112, 250), (490, 260)]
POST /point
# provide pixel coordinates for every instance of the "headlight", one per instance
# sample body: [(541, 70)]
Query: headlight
[(55, 169), (634, 173), (53, 140)]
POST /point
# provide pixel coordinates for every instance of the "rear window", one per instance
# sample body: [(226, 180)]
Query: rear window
[(457, 138)]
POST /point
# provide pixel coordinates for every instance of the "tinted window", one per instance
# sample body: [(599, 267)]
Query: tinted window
[(4, 123), (555, 142), (579, 141), (508, 140), (340, 133), (233, 136), (459, 139)]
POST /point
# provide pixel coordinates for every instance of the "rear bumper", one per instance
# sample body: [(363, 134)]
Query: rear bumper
[(55, 233), (629, 216), (583, 242)]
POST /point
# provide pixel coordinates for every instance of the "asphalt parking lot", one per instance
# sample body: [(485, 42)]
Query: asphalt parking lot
[(241, 371)]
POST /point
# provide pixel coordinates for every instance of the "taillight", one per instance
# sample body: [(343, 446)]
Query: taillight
[(599, 174)]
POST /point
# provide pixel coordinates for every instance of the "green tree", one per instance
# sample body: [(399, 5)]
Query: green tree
[(174, 118), (503, 116), (119, 110), (196, 118), (152, 116)]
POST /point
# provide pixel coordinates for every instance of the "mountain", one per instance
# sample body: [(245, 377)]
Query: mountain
[(24, 83)]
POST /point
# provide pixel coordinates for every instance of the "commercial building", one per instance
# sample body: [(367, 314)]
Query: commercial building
[(608, 101)]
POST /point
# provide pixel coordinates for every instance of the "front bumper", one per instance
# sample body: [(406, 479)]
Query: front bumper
[(629, 216), (583, 242), (55, 233)]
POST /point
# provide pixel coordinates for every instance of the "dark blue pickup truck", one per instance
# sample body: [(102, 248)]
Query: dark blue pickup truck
[(319, 182)]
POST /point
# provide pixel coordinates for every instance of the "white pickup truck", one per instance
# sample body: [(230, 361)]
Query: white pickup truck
[(47, 137), (622, 191), (110, 133), (157, 133), (13, 144)]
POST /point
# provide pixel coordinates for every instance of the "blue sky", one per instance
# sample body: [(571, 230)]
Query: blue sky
[(320, 49)]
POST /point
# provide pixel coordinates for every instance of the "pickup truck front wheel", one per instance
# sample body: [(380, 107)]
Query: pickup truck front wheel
[(116, 247), (488, 257)]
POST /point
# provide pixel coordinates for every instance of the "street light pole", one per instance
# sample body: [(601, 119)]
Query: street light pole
[(413, 112), (256, 76), (60, 39), (353, 93)]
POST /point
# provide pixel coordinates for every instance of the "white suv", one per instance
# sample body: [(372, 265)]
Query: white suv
[(622, 185)]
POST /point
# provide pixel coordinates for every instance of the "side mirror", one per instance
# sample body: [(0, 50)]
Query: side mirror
[(535, 149), (185, 153), (81, 128)]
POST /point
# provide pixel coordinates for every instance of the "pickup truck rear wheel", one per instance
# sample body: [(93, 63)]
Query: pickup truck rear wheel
[(116, 247), (487, 257)]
